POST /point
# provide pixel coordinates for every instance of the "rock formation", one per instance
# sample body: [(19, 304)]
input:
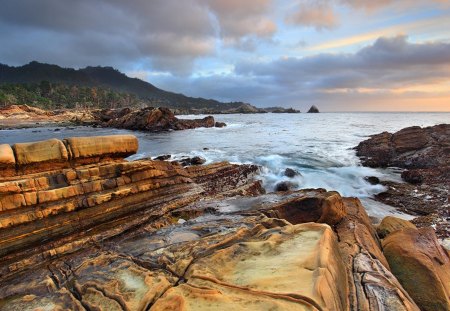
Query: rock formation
[(151, 119), (421, 265), (425, 154), (96, 232), (313, 109), (412, 148)]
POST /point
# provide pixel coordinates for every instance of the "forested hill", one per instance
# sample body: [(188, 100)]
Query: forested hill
[(51, 86)]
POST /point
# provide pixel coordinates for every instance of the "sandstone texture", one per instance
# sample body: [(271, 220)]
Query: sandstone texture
[(424, 153), (421, 265), (150, 119), (154, 235), (391, 224)]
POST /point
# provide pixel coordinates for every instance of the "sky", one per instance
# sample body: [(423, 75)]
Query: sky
[(340, 55)]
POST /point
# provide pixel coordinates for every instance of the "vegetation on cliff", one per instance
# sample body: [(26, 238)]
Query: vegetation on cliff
[(50, 86)]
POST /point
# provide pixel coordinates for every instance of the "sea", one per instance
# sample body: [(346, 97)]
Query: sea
[(319, 146)]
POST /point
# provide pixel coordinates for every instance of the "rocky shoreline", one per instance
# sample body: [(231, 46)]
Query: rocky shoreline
[(147, 119), (424, 156), (84, 229)]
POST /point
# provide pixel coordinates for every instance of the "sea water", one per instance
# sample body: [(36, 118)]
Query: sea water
[(319, 146)]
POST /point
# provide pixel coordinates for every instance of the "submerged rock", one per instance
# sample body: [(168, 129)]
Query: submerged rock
[(291, 173), (373, 180), (284, 186)]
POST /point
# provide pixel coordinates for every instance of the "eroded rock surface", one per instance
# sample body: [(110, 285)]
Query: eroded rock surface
[(152, 235), (422, 265)]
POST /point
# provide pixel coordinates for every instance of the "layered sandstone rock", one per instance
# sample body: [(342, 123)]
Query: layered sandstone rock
[(40, 156), (100, 148), (152, 235), (372, 286), (421, 265), (54, 154)]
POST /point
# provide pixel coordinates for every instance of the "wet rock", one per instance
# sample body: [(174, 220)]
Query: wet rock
[(284, 186), (164, 157), (373, 180), (324, 207), (220, 124), (390, 224), (291, 173), (424, 153), (197, 160), (421, 265)]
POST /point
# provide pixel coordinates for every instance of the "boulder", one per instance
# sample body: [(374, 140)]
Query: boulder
[(322, 207), (421, 265), (373, 180), (98, 148), (291, 173), (220, 124), (283, 186), (197, 160), (41, 155), (390, 224)]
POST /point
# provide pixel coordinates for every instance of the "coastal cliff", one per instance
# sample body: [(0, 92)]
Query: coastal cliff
[(84, 229)]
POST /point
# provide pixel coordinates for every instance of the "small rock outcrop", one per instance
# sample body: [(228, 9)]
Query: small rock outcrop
[(412, 148), (421, 265), (151, 119), (291, 173), (313, 109)]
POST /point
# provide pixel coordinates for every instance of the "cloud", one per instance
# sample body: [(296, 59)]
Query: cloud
[(167, 34), (390, 69), (319, 15)]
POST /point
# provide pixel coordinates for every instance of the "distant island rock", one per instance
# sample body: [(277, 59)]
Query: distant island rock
[(313, 109)]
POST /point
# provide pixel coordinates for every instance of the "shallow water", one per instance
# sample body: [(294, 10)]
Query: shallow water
[(319, 146)]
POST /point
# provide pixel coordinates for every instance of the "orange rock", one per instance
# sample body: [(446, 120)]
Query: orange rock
[(421, 265), (97, 148), (326, 207), (391, 224)]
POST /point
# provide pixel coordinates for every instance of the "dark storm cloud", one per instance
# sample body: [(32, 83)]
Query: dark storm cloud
[(167, 34)]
